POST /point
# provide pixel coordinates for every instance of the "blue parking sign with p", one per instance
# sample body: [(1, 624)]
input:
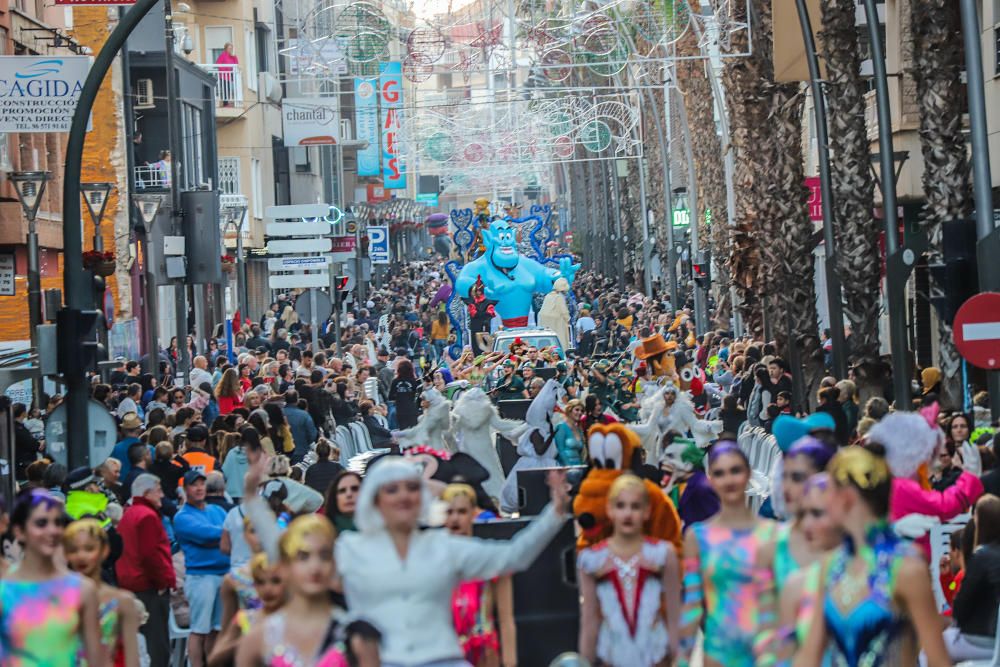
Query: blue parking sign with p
[(378, 244)]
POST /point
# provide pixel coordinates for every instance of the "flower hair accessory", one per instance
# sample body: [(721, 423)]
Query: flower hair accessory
[(856, 465)]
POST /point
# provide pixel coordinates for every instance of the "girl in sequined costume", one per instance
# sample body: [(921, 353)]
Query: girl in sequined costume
[(483, 611), (303, 633), (46, 612), (269, 587), (791, 550), (630, 586), (239, 590), (876, 601), (800, 593), (728, 582), (86, 546)]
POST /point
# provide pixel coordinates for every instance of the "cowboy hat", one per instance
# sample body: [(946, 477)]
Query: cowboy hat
[(654, 346)]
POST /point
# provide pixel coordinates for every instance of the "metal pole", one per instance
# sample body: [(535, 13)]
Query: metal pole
[(833, 292), (986, 232), (173, 141), (34, 299), (313, 321), (149, 302), (76, 287), (619, 248), (700, 297), (667, 203), (242, 302), (895, 288)]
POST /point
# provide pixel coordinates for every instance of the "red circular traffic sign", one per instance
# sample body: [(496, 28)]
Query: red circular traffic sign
[(977, 331)]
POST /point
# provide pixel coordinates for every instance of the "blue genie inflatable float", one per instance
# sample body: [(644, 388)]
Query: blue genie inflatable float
[(511, 268)]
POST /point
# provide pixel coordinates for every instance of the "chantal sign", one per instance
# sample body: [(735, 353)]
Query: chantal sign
[(39, 93), (310, 121)]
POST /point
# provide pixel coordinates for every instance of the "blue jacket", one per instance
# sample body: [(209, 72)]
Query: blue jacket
[(303, 430), (235, 468), (120, 452), (198, 532)]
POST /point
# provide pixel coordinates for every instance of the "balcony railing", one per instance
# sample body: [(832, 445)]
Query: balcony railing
[(152, 176), (228, 84), (228, 232)]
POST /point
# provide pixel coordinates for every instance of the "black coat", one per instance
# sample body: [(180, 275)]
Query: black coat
[(975, 606)]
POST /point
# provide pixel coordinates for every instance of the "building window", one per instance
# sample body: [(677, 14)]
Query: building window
[(192, 137), (216, 38), (263, 37), (230, 182), (996, 48), (257, 183)]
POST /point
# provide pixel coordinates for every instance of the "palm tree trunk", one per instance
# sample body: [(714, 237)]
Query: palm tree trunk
[(938, 62), (856, 229), (698, 99)]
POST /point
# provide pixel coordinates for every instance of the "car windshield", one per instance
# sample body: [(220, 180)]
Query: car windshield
[(538, 342)]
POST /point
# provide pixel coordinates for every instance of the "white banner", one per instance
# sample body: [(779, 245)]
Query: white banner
[(310, 121), (39, 93)]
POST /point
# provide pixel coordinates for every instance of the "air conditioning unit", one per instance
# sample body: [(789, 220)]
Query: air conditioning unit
[(346, 131), (144, 94), (269, 87)]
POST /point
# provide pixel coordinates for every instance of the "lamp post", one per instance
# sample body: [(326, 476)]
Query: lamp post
[(30, 186), (148, 206), (235, 215), (95, 196)]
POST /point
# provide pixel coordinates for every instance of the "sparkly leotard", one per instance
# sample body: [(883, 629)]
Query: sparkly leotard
[(40, 622), (281, 654), (246, 594), (633, 631), (726, 582), (870, 633), (784, 562), (472, 612)]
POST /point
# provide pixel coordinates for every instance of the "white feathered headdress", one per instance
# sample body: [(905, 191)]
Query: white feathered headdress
[(910, 440)]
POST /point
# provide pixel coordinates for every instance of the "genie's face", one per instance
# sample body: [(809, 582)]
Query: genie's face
[(501, 244)]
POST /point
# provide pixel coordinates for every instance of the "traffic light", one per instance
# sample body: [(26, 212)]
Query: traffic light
[(78, 349), (956, 274), (702, 273)]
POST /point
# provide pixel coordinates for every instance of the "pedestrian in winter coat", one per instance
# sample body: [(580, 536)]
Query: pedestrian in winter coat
[(145, 566)]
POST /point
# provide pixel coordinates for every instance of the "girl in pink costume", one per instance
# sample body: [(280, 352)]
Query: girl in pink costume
[(911, 440), (630, 586), (46, 611)]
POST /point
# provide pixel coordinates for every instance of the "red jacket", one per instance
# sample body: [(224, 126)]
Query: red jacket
[(145, 563)]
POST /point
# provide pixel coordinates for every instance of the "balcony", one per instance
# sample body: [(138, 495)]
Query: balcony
[(152, 177), (228, 89), (228, 230)]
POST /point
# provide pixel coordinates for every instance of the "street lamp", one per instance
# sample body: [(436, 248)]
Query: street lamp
[(95, 196), (235, 215), (148, 206), (30, 186)]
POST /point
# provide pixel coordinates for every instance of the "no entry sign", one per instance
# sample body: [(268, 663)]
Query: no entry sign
[(977, 331)]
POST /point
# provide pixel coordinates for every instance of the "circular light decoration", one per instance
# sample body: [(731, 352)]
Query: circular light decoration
[(599, 37), (557, 64), (364, 32), (474, 153), (440, 147), (417, 67), (334, 215), (562, 147), (595, 136), (426, 42)]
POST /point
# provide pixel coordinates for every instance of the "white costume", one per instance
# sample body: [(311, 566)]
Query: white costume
[(432, 429), (538, 419), (554, 313), (473, 422), (656, 420), (645, 643)]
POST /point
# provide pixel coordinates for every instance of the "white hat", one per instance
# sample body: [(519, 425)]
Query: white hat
[(367, 517)]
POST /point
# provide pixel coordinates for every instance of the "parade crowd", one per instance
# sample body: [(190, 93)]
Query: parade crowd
[(239, 511)]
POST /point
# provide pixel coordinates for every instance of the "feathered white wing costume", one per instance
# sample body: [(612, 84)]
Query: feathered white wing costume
[(473, 423), (538, 419), (656, 420), (433, 427)]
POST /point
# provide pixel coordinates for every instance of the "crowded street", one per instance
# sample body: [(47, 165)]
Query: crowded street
[(499, 333)]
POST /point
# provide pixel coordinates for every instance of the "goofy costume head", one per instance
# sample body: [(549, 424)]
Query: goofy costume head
[(614, 449)]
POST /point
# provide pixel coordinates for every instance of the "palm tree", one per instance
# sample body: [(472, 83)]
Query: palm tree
[(698, 99), (937, 67), (856, 229)]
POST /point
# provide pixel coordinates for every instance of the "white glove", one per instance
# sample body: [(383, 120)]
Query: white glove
[(972, 462), (914, 526)]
